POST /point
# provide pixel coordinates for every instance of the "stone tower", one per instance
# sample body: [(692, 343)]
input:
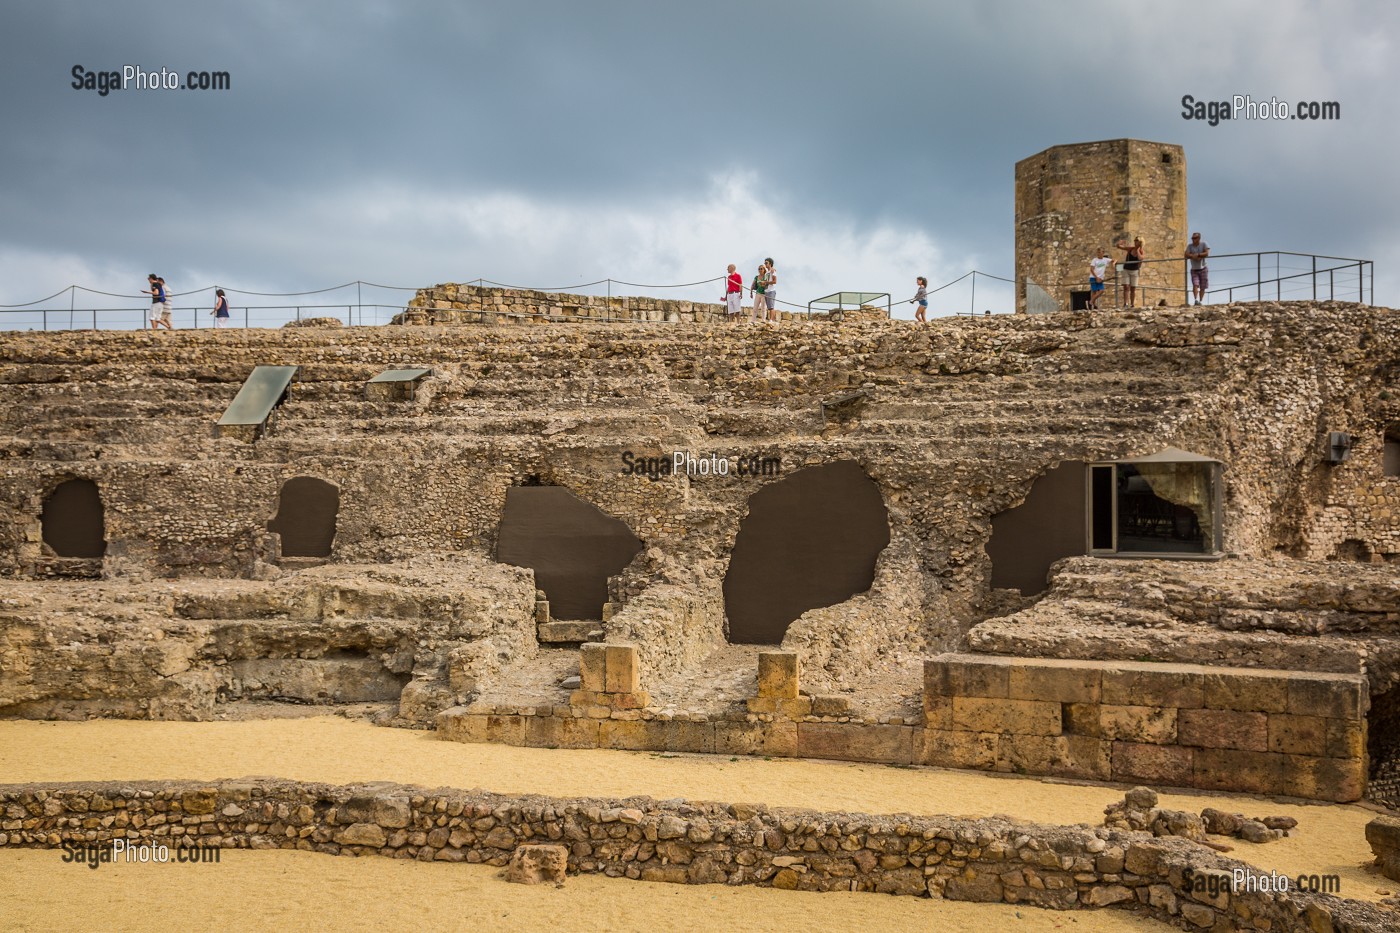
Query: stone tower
[(1070, 200)]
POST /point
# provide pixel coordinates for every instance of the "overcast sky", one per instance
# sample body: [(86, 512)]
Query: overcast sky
[(553, 143)]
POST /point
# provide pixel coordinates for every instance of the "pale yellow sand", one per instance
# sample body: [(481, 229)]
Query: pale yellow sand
[(1329, 840), (292, 891)]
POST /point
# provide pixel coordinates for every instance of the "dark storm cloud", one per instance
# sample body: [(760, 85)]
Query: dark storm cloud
[(861, 117)]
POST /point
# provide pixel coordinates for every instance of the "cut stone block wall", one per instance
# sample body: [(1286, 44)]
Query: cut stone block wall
[(1297, 733), (987, 860)]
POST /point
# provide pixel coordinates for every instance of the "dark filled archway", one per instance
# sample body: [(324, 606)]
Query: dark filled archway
[(306, 514), (72, 520), (809, 540), (1047, 526), (572, 546)]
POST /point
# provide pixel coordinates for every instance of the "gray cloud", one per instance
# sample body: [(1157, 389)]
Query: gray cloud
[(885, 122)]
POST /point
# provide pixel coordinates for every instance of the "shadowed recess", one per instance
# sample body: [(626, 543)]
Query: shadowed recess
[(306, 512), (1049, 525), (809, 540), (571, 545), (72, 520)]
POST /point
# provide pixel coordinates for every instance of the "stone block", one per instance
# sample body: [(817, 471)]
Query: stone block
[(778, 739), (1346, 738), (1082, 719), (855, 742), (657, 735), (795, 708), (1333, 697), (1298, 735), (621, 675), (1171, 685), (1068, 755), (482, 728), (1383, 834), (553, 633), (1030, 717), (1248, 772), (1218, 728), (829, 705), (1245, 691), (1066, 682), (1152, 724), (561, 732), (592, 667), (535, 863), (968, 675), (778, 674), (1341, 780), (946, 748), (1153, 764)]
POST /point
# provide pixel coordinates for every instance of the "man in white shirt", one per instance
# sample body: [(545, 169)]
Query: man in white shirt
[(1098, 268)]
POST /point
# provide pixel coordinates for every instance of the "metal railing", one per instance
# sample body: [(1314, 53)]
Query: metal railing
[(1279, 275)]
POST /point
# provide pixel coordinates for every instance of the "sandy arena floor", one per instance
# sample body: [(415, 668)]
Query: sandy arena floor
[(1329, 839)]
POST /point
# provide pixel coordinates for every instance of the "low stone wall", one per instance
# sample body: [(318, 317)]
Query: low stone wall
[(451, 303), (988, 860), (1257, 731)]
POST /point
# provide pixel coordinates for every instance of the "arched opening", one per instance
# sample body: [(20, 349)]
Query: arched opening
[(1047, 526), (572, 546), (1390, 452), (72, 520), (809, 540), (1352, 549), (1383, 749), (307, 508)]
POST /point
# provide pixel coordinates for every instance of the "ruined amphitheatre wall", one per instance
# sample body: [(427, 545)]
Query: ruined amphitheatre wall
[(955, 422)]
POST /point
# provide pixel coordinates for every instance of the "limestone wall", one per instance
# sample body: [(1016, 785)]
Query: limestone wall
[(452, 303), (1264, 732), (988, 860)]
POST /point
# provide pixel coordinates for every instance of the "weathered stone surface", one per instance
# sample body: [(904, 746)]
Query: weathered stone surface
[(538, 864)]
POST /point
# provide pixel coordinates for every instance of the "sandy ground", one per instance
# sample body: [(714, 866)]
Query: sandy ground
[(1329, 840), (292, 890)]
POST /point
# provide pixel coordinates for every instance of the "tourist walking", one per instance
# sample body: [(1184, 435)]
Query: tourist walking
[(1196, 252), (160, 302), (1132, 263), (220, 311), (921, 296), (770, 297), (733, 294), (1098, 268), (759, 288)]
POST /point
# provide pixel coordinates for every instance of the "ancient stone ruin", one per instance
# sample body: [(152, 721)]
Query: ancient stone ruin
[(1125, 548)]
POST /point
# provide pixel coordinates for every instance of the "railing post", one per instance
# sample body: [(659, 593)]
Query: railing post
[(1314, 277), (1360, 285), (1258, 276), (1331, 293), (1278, 281)]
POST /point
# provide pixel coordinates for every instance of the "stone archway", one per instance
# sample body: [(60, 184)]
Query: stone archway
[(809, 540), (572, 546), (307, 509), (72, 521)]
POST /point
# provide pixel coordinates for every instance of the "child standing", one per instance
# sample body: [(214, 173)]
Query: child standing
[(921, 296)]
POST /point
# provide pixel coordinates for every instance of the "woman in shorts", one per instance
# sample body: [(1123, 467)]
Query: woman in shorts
[(1132, 263), (921, 296)]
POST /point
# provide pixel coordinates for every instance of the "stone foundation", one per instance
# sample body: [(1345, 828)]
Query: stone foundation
[(1262, 732), (987, 860)]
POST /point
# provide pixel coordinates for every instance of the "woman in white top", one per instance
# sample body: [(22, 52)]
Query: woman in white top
[(770, 290)]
